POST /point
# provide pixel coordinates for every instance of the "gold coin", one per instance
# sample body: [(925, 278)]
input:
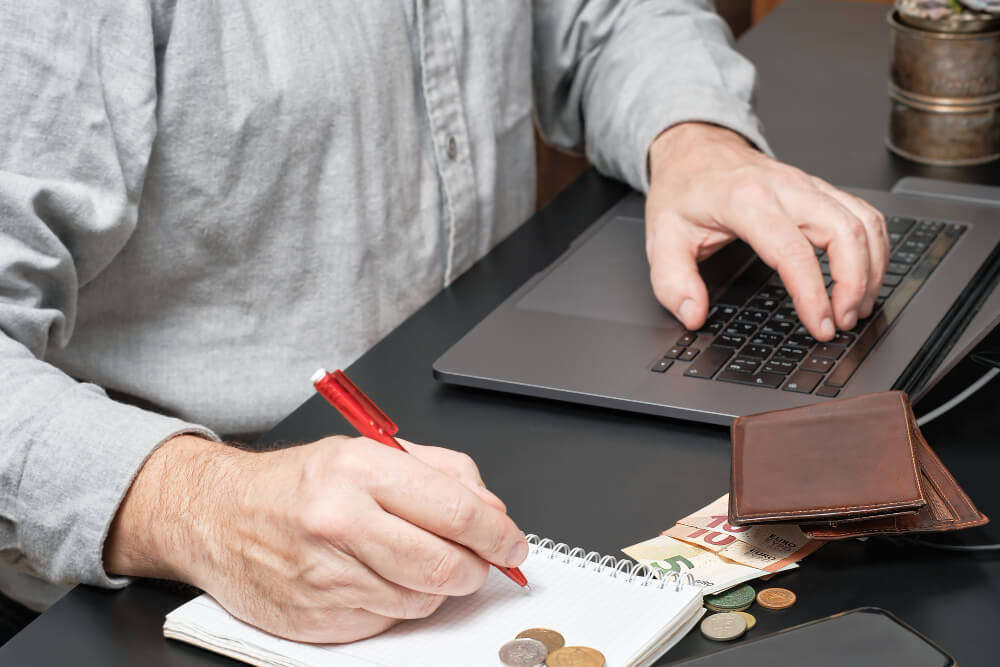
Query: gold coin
[(776, 598), (749, 618), (575, 656), (552, 639)]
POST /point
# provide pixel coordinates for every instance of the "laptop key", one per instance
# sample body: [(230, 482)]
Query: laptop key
[(801, 340), (827, 392), (743, 365), (769, 380), (709, 362), (904, 257), (828, 351), (687, 339), (711, 328), (756, 351), (767, 339), (661, 366), (781, 366), (688, 354), (885, 291), (816, 364), (779, 327), (755, 316), (764, 303), (673, 352), (803, 382), (842, 339), (741, 329), (897, 269), (790, 353), (729, 340)]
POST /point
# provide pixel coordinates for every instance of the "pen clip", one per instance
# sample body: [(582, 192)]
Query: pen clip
[(378, 419)]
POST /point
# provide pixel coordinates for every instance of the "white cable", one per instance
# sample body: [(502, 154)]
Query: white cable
[(969, 391)]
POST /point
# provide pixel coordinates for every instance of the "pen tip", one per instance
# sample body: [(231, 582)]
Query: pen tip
[(527, 588), (318, 375)]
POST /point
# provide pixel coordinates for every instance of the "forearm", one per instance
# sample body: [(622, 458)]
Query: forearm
[(168, 520)]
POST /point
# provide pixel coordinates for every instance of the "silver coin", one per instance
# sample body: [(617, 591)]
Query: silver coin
[(523, 653), (724, 627)]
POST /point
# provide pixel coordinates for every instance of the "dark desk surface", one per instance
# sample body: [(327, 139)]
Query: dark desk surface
[(605, 479)]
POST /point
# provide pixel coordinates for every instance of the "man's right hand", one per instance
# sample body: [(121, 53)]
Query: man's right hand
[(327, 542)]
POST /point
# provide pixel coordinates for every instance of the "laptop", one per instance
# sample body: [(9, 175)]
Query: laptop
[(588, 329)]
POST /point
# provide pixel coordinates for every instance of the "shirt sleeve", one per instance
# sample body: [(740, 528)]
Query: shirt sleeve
[(611, 75), (77, 122)]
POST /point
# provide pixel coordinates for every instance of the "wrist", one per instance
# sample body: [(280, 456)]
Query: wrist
[(164, 524), (681, 139)]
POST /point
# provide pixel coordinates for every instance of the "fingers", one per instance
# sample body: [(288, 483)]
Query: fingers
[(673, 273), (417, 560), (772, 232), (444, 506), (459, 465), (877, 239)]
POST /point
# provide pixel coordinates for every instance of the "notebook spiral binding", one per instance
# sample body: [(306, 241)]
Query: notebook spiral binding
[(609, 564)]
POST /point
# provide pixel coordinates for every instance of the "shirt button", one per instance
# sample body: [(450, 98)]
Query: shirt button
[(452, 148)]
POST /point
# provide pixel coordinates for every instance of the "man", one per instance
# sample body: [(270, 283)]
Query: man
[(201, 202)]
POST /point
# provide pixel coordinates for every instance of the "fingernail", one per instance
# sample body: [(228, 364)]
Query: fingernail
[(826, 328), (686, 311), (850, 319), (518, 553)]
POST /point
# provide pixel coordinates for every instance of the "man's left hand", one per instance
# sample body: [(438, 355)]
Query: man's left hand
[(709, 186)]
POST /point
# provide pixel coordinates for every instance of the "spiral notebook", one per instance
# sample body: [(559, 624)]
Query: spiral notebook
[(612, 605)]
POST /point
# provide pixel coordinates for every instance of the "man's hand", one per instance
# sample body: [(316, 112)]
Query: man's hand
[(327, 542), (709, 186)]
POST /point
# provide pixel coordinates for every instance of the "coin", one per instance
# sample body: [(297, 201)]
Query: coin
[(575, 656), (776, 598), (712, 607), (550, 638), (739, 598), (724, 627), (523, 653), (749, 618)]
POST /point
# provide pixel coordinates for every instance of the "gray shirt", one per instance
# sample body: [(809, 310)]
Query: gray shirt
[(203, 201)]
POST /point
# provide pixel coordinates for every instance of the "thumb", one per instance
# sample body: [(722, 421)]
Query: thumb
[(673, 272)]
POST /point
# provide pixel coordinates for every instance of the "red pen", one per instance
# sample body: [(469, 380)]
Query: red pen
[(371, 422)]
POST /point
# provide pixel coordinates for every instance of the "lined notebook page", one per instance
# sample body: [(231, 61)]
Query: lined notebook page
[(630, 623)]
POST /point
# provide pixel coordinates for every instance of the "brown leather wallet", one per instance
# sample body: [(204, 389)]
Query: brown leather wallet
[(844, 468)]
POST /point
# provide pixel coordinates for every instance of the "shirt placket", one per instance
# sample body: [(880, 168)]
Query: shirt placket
[(449, 135)]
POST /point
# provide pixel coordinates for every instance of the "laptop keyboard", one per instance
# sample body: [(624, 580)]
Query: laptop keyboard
[(752, 335)]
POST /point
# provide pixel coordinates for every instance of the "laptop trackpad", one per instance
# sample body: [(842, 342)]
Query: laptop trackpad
[(607, 278)]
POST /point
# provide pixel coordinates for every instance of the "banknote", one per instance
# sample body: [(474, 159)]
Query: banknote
[(767, 547), (665, 554)]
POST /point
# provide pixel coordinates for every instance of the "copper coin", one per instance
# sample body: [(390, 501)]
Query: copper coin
[(552, 639), (776, 598), (575, 656)]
